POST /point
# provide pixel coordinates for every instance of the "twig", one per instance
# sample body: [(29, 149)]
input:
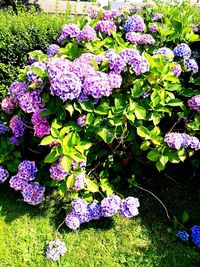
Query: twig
[(167, 213), (58, 229), (93, 169)]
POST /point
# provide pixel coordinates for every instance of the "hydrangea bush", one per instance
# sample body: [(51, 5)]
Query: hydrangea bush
[(115, 95)]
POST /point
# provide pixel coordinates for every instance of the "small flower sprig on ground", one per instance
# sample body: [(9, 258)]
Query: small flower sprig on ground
[(193, 235), (56, 249)]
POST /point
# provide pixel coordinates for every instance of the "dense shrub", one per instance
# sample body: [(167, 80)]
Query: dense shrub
[(20, 34), (120, 95)]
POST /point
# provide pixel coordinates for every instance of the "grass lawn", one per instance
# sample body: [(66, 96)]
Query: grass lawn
[(142, 241)]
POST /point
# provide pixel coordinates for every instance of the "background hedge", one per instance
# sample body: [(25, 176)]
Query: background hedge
[(22, 33)]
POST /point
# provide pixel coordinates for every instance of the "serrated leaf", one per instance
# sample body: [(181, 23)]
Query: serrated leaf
[(47, 140)]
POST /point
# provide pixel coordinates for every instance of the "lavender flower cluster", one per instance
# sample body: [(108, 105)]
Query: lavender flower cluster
[(32, 77), (134, 23), (56, 249), (194, 103), (138, 38), (32, 192), (109, 206), (166, 53), (7, 105), (111, 14), (4, 174), (53, 50), (157, 16), (153, 28), (181, 140), (106, 27), (41, 125), (182, 50), (17, 126), (191, 65), (3, 128), (57, 172)]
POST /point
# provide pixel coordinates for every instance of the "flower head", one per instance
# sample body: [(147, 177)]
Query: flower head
[(7, 105), (17, 183), (33, 193), (55, 250), (182, 50), (195, 235), (81, 121), (53, 50), (27, 170), (4, 174), (57, 172), (87, 34), (79, 181), (191, 65), (17, 89), (129, 207), (157, 16), (194, 103), (17, 126), (166, 53), (110, 205), (183, 235), (72, 221), (106, 26), (134, 23), (68, 30)]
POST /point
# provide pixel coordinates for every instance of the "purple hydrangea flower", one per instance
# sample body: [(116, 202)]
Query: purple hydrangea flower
[(32, 77), (27, 170), (72, 221), (194, 103), (194, 27), (57, 172), (153, 28), (111, 14), (17, 183), (117, 63), (69, 30), (195, 235), (55, 250), (83, 98), (191, 65), (97, 85), (67, 86), (33, 193), (177, 70), (80, 210), (37, 118), (3, 128), (30, 101), (92, 12), (182, 50), (82, 69), (115, 80), (87, 34), (106, 26), (178, 140), (134, 8), (138, 38), (139, 65), (17, 126), (110, 205), (13, 140), (53, 50), (94, 210), (17, 89), (7, 105), (4, 174), (81, 164), (79, 181), (183, 235), (157, 16), (58, 66), (166, 53), (81, 121), (42, 129), (134, 23), (129, 54), (129, 207)]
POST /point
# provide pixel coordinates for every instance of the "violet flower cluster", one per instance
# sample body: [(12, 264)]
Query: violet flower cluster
[(194, 103), (4, 174), (92, 12), (17, 126), (40, 124), (53, 50), (138, 38), (79, 181), (195, 235), (181, 140), (166, 53), (177, 70), (3, 128), (134, 23), (56, 249), (157, 16), (183, 235), (68, 30), (7, 105), (17, 89), (32, 192), (191, 65), (81, 121), (153, 28), (83, 212), (57, 172), (87, 34), (106, 27), (182, 50), (111, 14)]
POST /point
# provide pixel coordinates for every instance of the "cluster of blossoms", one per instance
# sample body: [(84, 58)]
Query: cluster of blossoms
[(138, 38), (194, 235), (81, 121), (92, 12), (182, 140), (41, 125), (57, 172), (128, 57), (134, 23), (194, 103), (153, 28), (7, 105), (166, 53), (79, 181), (4, 174), (109, 206), (32, 192), (53, 50), (194, 27), (68, 30), (157, 16), (3, 128), (87, 34), (177, 70), (56, 249), (191, 65), (182, 50), (111, 14), (106, 26), (17, 126)]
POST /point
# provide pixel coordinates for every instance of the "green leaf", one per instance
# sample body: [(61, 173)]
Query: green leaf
[(153, 155), (69, 108), (140, 113), (66, 163), (185, 217), (175, 102), (107, 134), (143, 132), (54, 132), (136, 91), (70, 181), (52, 156), (160, 166), (62, 189), (89, 118), (40, 73), (106, 186), (145, 145), (47, 140), (92, 186), (95, 64)]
